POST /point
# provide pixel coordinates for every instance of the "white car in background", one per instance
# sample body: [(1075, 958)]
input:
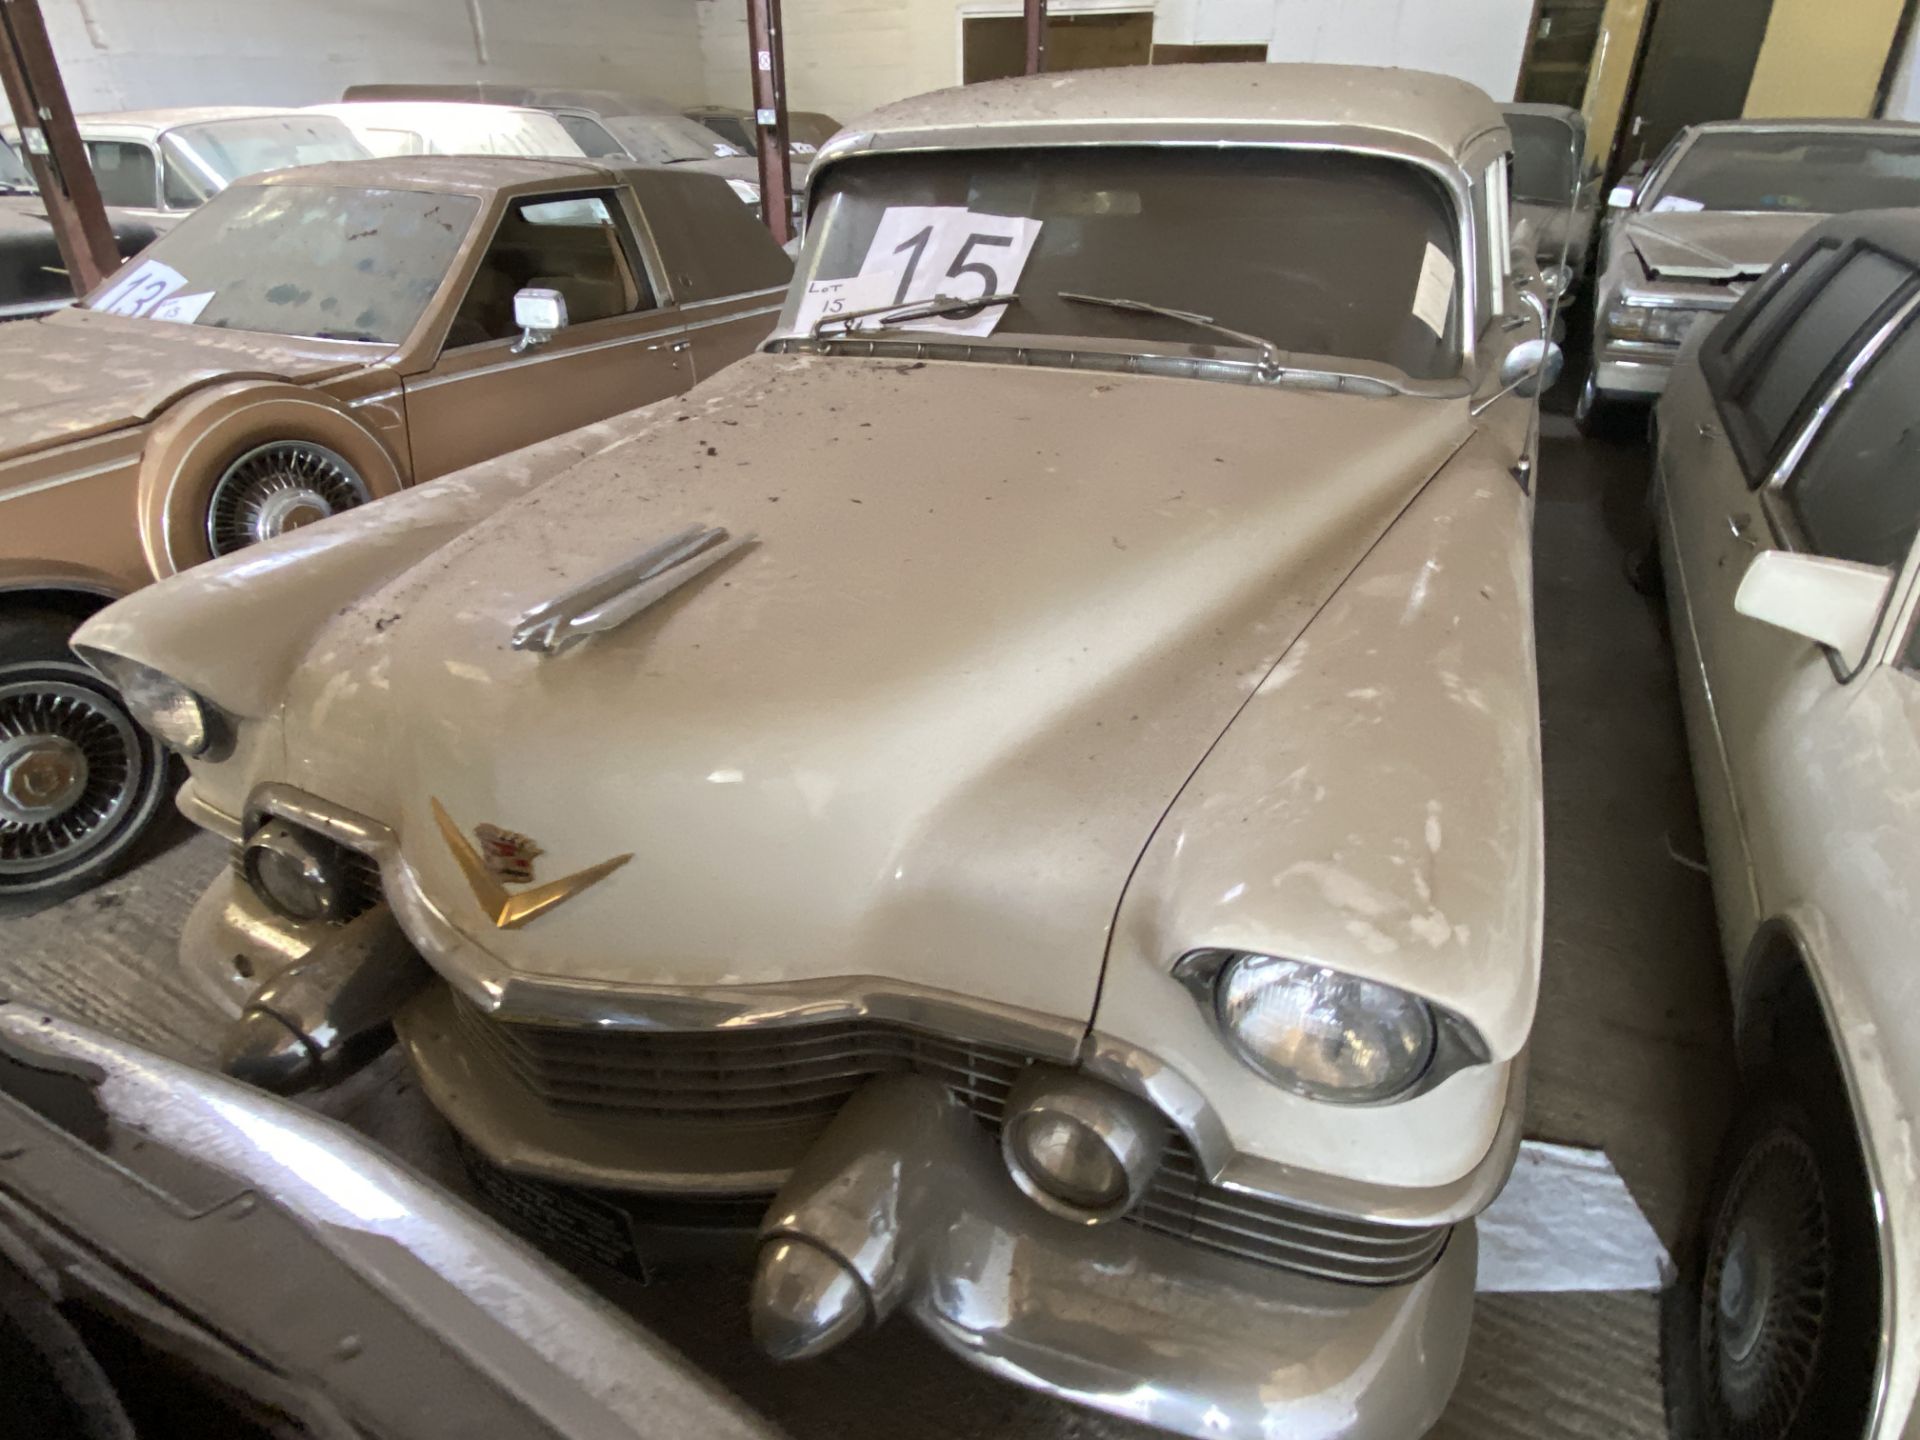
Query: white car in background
[(1788, 469), (161, 164), (452, 127)]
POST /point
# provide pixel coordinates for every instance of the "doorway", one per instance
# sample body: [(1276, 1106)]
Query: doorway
[(1560, 52), (1696, 64), (994, 47)]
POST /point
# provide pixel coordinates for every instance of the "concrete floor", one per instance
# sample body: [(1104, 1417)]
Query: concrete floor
[(1631, 1052)]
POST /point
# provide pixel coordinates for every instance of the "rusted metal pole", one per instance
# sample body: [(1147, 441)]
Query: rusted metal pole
[(770, 115), (51, 141), (1036, 36)]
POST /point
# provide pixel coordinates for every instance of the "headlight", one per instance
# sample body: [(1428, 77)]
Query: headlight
[(180, 718), (298, 873), (1327, 1035), (1653, 324)]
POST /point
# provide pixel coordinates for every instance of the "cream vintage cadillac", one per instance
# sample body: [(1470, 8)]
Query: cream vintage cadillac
[(1026, 789)]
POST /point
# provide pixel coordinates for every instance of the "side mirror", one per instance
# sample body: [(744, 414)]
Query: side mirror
[(1622, 196), (1531, 367), (538, 312), (1835, 603)]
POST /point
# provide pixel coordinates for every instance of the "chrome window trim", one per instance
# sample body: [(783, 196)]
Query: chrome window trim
[(1451, 173), (1775, 505)]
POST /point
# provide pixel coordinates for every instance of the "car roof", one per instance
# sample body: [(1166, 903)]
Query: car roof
[(400, 111), (159, 121), (532, 97), (1572, 114), (480, 175), (1810, 123), (1249, 102)]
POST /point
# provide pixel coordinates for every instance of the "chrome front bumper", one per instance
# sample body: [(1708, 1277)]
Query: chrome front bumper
[(907, 1196), (1637, 379)]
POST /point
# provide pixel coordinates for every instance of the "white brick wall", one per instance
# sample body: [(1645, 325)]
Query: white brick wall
[(127, 54), (847, 56)]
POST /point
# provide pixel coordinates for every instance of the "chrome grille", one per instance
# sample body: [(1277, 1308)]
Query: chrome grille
[(788, 1074), (798, 1076)]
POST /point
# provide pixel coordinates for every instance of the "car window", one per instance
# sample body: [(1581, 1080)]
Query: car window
[(576, 244), (1323, 253), (592, 137), (1856, 494), (180, 189), (125, 172), (1830, 316), (332, 262), (1546, 158)]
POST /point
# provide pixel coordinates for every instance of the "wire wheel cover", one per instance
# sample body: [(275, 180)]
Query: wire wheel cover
[(278, 487), (1766, 1290), (83, 736)]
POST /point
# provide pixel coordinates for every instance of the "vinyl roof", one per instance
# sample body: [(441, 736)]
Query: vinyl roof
[(1189, 101)]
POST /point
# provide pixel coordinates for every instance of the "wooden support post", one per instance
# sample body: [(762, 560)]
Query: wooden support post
[(770, 115), (1036, 36)]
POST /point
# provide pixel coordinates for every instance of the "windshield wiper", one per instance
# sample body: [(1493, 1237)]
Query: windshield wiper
[(899, 314), (1269, 352)]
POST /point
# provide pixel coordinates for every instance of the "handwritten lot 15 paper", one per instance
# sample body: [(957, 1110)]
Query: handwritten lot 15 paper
[(925, 252)]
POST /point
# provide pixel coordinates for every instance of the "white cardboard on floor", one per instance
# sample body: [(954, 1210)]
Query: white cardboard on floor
[(1566, 1221)]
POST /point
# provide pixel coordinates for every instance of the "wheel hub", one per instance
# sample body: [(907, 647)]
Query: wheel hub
[(40, 776), (286, 510)]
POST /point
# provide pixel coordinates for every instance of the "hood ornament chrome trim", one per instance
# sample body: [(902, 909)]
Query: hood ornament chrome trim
[(615, 596), (510, 912)]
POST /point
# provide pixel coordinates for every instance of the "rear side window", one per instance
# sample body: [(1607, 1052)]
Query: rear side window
[(592, 137), (125, 172), (1856, 495), (1780, 360)]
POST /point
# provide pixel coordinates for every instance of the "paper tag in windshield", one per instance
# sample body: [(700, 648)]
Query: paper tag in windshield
[(1668, 204), (936, 250), (1433, 296), (181, 309), (141, 288), (827, 298)]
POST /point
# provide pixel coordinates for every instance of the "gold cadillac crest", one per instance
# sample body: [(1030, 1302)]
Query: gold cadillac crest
[(505, 857)]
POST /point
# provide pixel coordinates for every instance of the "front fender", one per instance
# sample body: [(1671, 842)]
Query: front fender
[(235, 629), (1376, 808)]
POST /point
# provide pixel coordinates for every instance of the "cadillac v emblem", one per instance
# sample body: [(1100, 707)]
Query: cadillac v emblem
[(507, 853), (505, 858)]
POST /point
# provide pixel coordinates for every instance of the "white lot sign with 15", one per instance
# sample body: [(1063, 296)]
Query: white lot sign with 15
[(920, 252)]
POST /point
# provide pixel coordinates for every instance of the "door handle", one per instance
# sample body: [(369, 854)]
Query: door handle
[(1707, 430), (676, 346), (1740, 524)]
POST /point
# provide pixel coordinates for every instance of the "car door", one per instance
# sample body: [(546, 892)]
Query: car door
[(1841, 479), (622, 346)]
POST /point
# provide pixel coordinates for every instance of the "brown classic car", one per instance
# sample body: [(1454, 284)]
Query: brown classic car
[(309, 341)]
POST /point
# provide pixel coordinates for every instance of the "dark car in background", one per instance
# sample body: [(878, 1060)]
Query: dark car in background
[(33, 275)]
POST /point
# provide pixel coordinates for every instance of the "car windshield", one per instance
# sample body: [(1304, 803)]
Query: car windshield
[(1322, 253), (1545, 164), (322, 261), (215, 154), (666, 139), (14, 176), (1821, 172)]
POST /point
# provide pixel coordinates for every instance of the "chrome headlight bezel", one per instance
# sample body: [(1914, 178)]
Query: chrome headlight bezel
[(1454, 1044), (183, 720)]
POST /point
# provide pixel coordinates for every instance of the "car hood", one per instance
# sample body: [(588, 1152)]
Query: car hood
[(81, 372), (921, 729), (1713, 245)]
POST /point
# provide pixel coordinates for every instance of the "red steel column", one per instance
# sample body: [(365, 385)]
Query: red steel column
[(1036, 36), (770, 115), (52, 146)]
